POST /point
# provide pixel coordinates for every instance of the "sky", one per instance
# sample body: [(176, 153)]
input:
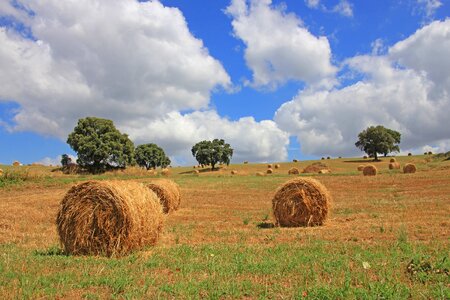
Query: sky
[(277, 80)]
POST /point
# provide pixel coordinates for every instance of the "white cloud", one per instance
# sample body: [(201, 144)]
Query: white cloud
[(176, 133), (118, 59), (278, 47), (429, 7), (312, 3), (406, 90), (344, 8)]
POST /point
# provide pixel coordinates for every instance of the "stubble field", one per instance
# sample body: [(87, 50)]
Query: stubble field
[(388, 237)]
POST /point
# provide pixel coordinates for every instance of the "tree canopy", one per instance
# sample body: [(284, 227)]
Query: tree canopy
[(151, 156), (65, 160), (212, 152), (378, 139), (100, 146)]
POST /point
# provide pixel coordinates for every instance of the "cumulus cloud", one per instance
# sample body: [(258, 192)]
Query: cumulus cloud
[(406, 90), (176, 133), (117, 59), (312, 3), (278, 47)]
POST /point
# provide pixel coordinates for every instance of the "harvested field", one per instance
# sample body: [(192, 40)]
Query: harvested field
[(221, 243)]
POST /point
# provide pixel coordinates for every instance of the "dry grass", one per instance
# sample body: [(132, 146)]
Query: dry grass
[(293, 171), (168, 193), (394, 165), (361, 167), (260, 174), (301, 202), (108, 218), (316, 168)]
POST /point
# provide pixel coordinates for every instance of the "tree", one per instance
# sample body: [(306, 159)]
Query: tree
[(100, 146), (151, 156), (378, 139), (212, 152), (65, 160)]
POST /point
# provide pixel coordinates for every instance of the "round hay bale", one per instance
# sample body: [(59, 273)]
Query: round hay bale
[(269, 171), (370, 170), (361, 167), (293, 171), (430, 153), (260, 174), (323, 158), (277, 166), (409, 168), (108, 218), (16, 163), (168, 193), (245, 162), (315, 167), (269, 166), (328, 157), (165, 172), (409, 154), (196, 172), (234, 172), (392, 160), (365, 156), (1, 172), (394, 165), (301, 202), (194, 167), (294, 160)]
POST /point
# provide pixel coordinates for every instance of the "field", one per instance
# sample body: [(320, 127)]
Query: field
[(388, 237)]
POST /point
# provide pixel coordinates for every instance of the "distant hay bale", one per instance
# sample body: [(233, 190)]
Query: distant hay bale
[(370, 170), (16, 163), (245, 162), (409, 168), (269, 166), (194, 167), (277, 166), (108, 218), (168, 193), (234, 172), (260, 174), (294, 160), (323, 158), (409, 154), (165, 172), (293, 171), (365, 157), (430, 153), (361, 167), (301, 202), (392, 160), (269, 171), (394, 165), (1, 172), (340, 157), (324, 171), (328, 157), (316, 167)]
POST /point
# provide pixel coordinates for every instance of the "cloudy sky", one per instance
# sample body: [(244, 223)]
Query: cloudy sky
[(276, 79)]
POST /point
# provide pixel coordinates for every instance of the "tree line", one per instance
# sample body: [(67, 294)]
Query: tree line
[(100, 146)]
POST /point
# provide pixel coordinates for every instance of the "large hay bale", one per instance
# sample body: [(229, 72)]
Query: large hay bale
[(16, 163), (1, 172), (260, 174), (277, 166), (165, 172), (168, 193), (234, 172), (409, 168), (269, 166), (301, 202), (294, 160), (316, 167), (361, 167), (370, 170), (392, 160), (409, 154), (293, 171), (108, 218), (269, 171), (394, 165)]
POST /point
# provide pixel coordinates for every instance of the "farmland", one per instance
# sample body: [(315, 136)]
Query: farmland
[(388, 236)]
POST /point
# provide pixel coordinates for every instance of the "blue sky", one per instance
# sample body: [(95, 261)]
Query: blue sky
[(277, 79)]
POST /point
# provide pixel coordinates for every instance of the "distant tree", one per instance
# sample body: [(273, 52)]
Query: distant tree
[(212, 152), (378, 139), (100, 146), (151, 156), (65, 160)]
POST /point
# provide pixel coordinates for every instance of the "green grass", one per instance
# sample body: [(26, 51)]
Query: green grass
[(319, 270)]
